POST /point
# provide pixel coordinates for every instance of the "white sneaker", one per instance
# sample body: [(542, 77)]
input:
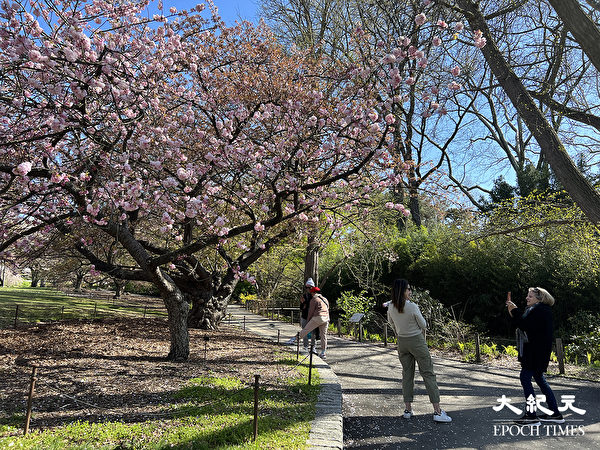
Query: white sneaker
[(304, 349), (322, 355), (407, 414), (291, 341), (442, 417)]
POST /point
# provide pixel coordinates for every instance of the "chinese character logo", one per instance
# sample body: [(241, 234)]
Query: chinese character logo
[(533, 405)]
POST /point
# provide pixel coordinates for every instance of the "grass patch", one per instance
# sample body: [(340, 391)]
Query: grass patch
[(209, 412), (44, 304)]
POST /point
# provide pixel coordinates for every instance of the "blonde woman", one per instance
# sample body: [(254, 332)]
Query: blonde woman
[(534, 341), (409, 326)]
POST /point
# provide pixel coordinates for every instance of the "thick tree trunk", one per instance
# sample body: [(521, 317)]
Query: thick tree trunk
[(415, 206), (580, 190), (178, 310), (311, 259), (78, 282), (35, 278), (209, 304), (581, 26), (119, 285)]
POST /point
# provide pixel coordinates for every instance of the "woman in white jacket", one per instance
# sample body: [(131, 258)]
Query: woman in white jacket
[(409, 325)]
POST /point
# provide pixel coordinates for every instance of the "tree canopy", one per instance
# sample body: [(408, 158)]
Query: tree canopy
[(189, 147)]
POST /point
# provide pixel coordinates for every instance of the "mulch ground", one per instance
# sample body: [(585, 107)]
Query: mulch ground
[(115, 369)]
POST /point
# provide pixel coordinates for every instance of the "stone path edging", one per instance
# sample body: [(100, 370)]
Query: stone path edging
[(326, 430)]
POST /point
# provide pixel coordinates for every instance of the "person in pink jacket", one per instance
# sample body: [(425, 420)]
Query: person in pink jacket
[(318, 317)]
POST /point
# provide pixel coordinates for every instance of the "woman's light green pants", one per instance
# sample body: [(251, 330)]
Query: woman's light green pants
[(411, 349)]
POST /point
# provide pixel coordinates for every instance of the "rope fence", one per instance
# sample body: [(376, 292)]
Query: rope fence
[(21, 313), (37, 379), (239, 395)]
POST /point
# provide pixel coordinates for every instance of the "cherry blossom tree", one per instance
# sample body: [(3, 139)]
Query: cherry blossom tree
[(188, 147)]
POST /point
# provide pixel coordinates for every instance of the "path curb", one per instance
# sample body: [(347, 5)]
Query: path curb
[(326, 430)]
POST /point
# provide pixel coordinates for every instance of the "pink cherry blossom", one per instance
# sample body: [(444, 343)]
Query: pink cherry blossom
[(420, 19), (480, 42), (22, 169)]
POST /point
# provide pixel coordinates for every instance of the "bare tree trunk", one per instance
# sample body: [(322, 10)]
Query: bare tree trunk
[(78, 282), (209, 301), (580, 190), (35, 277), (119, 285), (581, 26), (414, 205), (311, 259), (178, 309)]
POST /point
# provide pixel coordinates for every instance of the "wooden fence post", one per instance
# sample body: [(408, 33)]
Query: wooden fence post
[(312, 347), (339, 327), (477, 349), (560, 355), (30, 398), (256, 377), (385, 334)]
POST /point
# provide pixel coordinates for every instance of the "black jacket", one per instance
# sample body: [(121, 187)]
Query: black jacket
[(537, 324), (305, 305)]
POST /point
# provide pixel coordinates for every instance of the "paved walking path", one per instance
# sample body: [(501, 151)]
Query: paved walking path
[(370, 402)]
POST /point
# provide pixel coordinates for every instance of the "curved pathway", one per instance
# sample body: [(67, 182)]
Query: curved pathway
[(371, 402)]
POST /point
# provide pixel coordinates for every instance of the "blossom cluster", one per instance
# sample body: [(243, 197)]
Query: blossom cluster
[(184, 125)]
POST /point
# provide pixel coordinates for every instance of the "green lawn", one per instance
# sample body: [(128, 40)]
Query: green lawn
[(44, 304), (208, 413)]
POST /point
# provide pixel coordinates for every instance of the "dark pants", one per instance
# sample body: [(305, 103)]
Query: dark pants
[(538, 376)]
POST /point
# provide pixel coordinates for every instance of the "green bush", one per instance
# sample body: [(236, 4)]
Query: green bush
[(141, 288), (585, 347), (349, 304)]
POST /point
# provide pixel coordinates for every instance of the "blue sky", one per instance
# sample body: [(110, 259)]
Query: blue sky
[(230, 10)]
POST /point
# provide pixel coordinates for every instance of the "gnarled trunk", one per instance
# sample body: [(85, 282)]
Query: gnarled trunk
[(209, 305), (35, 277), (119, 285)]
